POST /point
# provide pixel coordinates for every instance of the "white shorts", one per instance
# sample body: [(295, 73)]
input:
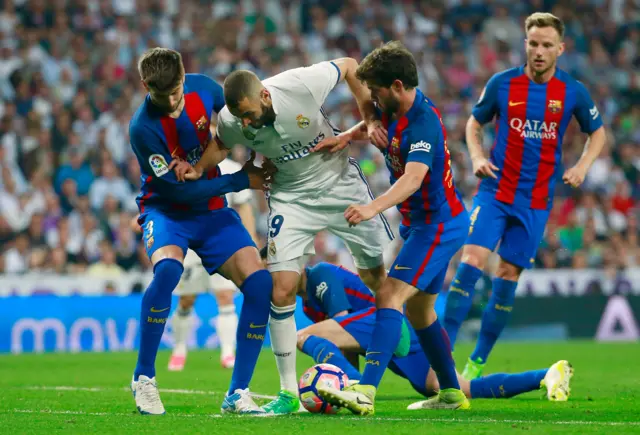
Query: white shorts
[(196, 280), (294, 225)]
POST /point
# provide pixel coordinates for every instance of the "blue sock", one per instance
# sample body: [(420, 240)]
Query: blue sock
[(156, 306), (386, 335), (252, 327), (324, 352), (495, 317), (460, 299), (435, 344), (502, 385)]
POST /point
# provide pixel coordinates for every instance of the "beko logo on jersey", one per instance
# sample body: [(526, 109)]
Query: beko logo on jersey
[(297, 150), (420, 146), (535, 129)]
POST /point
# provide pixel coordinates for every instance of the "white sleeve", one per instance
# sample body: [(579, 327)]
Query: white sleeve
[(320, 79), (228, 129), (228, 166)]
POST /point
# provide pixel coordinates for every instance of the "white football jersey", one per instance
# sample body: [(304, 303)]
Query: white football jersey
[(227, 166), (300, 124)]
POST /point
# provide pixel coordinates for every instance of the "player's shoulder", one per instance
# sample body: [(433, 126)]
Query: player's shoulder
[(141, 122), (294, 81), (200, 81), (570, 81), (506, 75), (424, 114)]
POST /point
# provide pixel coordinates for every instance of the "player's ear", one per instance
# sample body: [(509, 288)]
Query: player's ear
[(265, 95), (561, 50), (397, 85), (145, 85)]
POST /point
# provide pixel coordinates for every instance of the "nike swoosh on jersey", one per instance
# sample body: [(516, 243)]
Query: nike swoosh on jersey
[(516, 103), (153, 310), (401, 267)]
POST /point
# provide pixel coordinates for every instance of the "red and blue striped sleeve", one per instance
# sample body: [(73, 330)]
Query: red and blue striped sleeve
[(487, 106), (154, 158), (422, 138), (328, 288), (586, 111)]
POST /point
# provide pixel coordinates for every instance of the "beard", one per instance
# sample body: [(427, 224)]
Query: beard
[(268, 116)]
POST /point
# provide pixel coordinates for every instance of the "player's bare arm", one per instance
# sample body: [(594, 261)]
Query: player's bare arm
[(336, 143), (406, 186), (376, 132), (593, 147), (482, 167)]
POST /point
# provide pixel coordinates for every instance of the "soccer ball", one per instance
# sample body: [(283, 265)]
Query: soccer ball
[(320, 374)]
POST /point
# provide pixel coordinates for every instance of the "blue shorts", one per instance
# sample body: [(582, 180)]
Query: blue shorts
[(414, 367), (427, 250), (518, 229), (215, 236)]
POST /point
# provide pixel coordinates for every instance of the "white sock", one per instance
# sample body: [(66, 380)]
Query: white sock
[(283, 344), (227, 325), (182, 323)]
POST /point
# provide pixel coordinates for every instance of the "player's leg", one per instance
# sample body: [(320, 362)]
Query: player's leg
[(524, 231), (181, 324), (166, 248), (366, 241), (229, 250), (292, 229), (487, 223), (421, 310), (327, 341), (227, 320)]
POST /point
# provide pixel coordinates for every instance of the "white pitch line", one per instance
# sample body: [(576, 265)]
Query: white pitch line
[(382, 419), (162, 390), (261, 396)]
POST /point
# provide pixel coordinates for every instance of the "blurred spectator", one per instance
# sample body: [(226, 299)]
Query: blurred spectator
[(69, 85)]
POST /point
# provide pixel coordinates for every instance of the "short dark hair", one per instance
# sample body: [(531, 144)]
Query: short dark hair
[(161, 68), (388, 63), (239, 85), (544, 19)]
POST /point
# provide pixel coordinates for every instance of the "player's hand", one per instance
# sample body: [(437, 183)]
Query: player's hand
[(483, 168), (269, 168), (257, 175), (574, 176), (378, 135), (333, 144), (356, 213), (180, 168), (135, 226), (193, 173)]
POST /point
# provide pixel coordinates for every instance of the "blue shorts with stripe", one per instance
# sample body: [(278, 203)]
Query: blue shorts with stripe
[(414, 367), (215, 235), (424, 258), (519, 230)]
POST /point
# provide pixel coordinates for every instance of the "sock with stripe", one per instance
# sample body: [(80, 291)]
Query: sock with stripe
[(284, 338), (435, 344), (252, 327), (494, 318), (460, 299), (181, 324), (325, 352), (226, 327), (503, 385), (156, 305), (385, 338)]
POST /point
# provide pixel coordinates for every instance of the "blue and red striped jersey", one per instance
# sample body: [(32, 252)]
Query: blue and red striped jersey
[(331, 289), (420, 136), (157, 138), (531, 121)]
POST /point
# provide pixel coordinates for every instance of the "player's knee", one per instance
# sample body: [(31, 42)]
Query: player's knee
[(224, 297), (168, 271), (508, 271), (187, 302), (475, 256), (258, 288), (284, 291)]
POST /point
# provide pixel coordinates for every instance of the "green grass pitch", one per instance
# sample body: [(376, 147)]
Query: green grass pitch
[(86, 393)]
